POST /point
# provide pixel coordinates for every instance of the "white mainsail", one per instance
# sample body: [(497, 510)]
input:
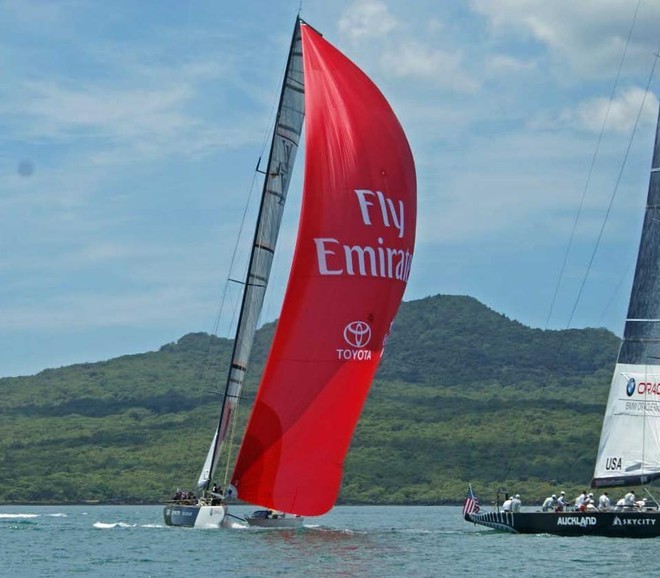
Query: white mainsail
[(629, 450)]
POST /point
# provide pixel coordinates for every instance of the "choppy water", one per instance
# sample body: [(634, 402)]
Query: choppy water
[(349, 541)]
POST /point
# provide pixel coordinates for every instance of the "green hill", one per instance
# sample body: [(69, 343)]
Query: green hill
[(463, 394)]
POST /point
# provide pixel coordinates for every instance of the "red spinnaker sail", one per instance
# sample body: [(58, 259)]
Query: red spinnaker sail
[(351, 264)]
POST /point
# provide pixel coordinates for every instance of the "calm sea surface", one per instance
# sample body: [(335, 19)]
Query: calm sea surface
[(349, 541)]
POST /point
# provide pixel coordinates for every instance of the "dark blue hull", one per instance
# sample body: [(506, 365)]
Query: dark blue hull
[(194, 515), (180, 515), (614, 524)]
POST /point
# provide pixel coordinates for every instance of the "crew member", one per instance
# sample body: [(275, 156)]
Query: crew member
[(604, 502), (549, 504)]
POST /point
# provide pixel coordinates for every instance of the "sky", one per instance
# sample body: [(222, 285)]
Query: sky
[(130, 131)]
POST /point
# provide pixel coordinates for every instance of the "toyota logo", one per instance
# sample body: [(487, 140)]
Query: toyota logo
[(357, 333)]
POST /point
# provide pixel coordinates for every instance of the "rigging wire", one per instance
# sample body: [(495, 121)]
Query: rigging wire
[(210, 354), (256, 259), (230, 444), (591, 168), (615, 292), (241, 231), (615, 190)]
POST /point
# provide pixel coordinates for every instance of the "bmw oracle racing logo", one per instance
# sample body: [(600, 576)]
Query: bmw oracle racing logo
[(630, 387)]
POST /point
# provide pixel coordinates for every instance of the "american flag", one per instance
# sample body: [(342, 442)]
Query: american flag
[(471, 505)]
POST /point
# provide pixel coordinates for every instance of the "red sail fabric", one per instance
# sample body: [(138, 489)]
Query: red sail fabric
[(351, 264)]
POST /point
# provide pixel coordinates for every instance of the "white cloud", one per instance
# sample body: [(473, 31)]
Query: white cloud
[(523, 187), (33, 13), (104, 111), (400, 54), (622, 112), (366, 19), (83, 311), (125, 124), (589, 35), (411, 59), (501, 64), (134, 139)]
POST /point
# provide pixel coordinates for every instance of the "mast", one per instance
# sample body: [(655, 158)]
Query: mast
[(629, 451), (283, 148)]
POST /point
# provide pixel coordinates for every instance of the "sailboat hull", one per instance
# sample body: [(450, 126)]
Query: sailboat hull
[(260, 519), (644, 524), (194, 516)]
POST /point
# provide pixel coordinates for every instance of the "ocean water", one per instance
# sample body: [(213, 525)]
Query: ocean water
[(127, 541)]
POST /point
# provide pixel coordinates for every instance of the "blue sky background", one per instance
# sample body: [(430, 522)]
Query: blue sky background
[(129, 133)]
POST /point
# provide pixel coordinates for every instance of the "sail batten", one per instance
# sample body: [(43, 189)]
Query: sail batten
[(629, 449)]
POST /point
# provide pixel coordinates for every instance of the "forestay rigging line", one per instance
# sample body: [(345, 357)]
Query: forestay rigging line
[(264, 145), (616, 189), (230, 443), (209, 358), (591, 170)]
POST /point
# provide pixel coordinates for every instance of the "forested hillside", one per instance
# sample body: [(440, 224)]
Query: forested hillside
[(462, 394)]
